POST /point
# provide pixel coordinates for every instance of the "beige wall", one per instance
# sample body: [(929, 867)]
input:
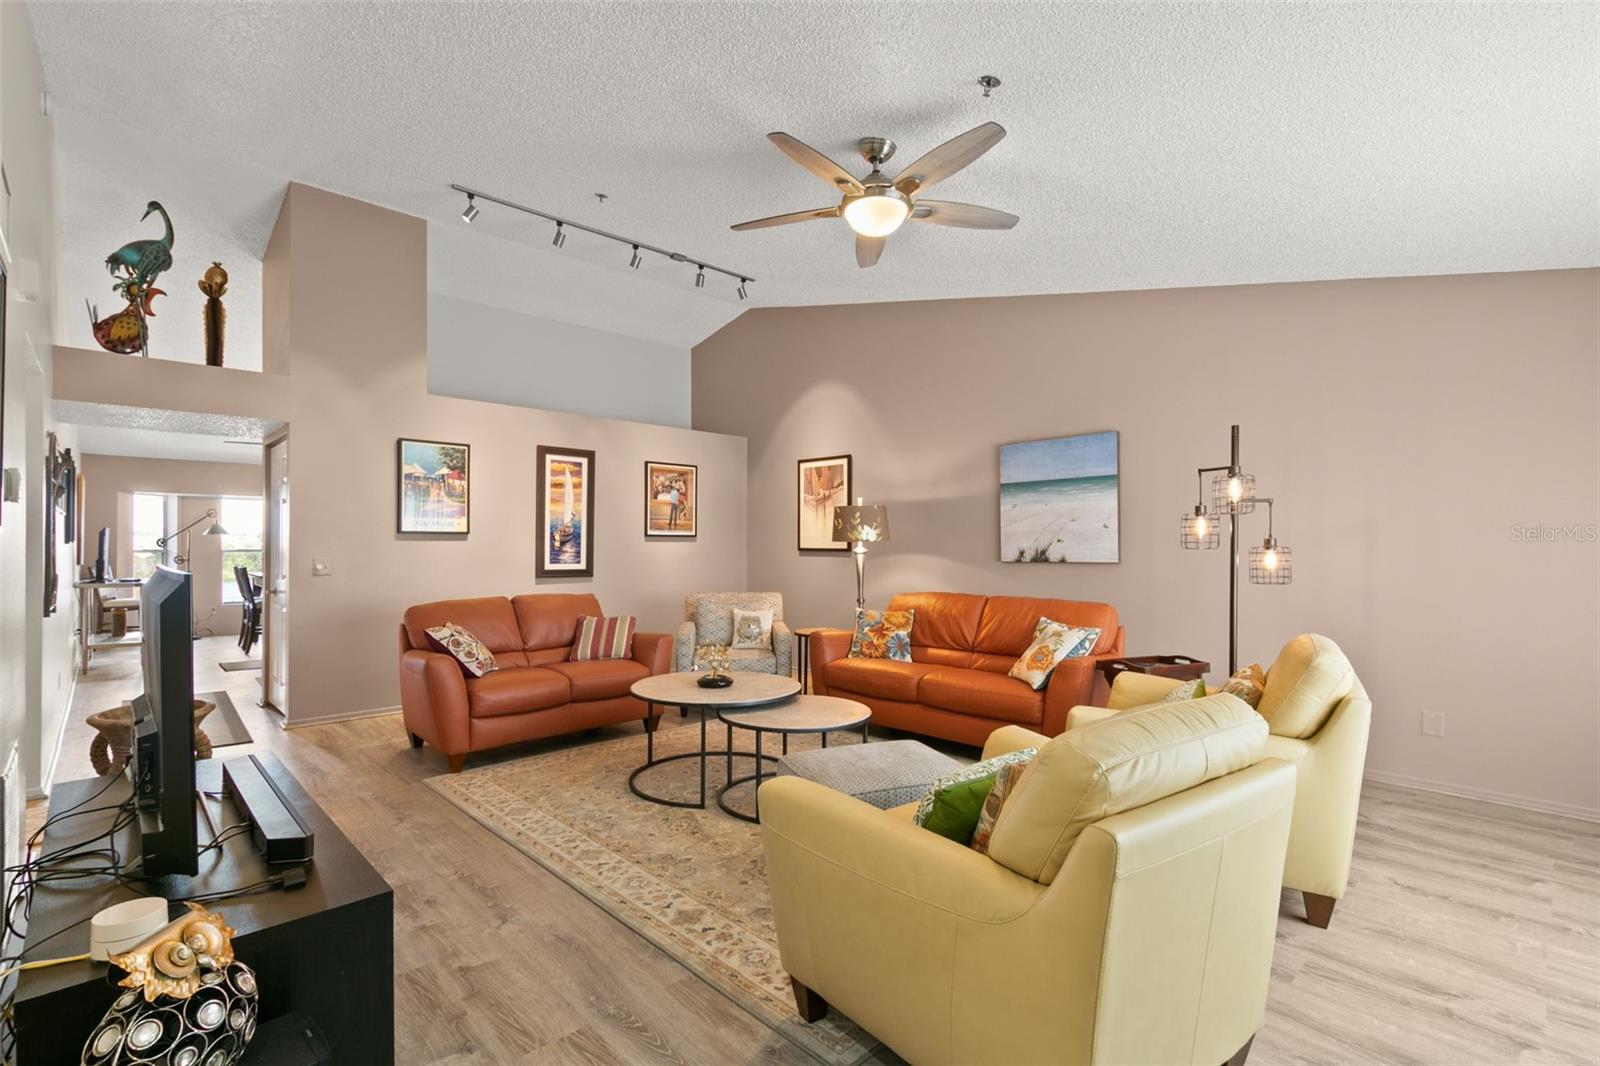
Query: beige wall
[(344, 287), (1406, 426), (110, 482)]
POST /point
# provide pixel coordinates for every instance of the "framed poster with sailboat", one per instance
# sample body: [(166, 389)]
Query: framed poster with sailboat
[(566, 511)]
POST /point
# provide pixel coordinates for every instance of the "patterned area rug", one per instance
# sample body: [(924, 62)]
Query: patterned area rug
[(691, 882)]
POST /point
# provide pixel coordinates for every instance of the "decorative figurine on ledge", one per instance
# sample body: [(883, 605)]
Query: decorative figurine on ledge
[(135, 265), (189, 999), (715, 659), (214, 284)]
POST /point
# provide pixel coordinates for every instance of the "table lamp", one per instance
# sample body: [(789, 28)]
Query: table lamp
[(859, 525)]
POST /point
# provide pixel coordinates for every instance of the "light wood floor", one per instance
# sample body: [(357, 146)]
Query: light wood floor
[(1470, 934)]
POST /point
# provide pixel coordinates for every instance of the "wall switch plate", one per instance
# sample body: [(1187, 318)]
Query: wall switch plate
[(1433, 723), (321, 568)]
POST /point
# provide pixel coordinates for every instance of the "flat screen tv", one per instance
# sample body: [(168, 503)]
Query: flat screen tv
[(162, 767), (102, 564)]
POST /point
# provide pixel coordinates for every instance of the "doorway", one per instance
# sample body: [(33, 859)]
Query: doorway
[(276, 586)]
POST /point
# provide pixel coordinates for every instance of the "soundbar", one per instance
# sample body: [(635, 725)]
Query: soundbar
[(275, 825)]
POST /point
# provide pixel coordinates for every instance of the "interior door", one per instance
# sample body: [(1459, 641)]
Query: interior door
[(275, 625)]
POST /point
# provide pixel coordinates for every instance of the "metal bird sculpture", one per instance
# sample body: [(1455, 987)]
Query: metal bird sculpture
[(135, 265), (144, 260)]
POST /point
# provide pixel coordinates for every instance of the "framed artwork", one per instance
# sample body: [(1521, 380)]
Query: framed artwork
[(433, 487), (1058, 500), (823, 485), (671, 502), (566, 512)]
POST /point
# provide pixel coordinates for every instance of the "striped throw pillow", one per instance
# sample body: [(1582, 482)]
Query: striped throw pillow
[(603, 638)]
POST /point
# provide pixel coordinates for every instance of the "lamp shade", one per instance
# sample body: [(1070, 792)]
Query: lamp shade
[(215, 530), (860, 522)]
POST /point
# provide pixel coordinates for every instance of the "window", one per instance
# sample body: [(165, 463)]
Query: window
[(241, 516), (149, 526)]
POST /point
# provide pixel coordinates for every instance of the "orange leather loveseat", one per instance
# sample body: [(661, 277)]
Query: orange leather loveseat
[(962, 647), (535, 692)]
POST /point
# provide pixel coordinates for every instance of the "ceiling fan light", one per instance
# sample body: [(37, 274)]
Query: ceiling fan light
[(877, 214)]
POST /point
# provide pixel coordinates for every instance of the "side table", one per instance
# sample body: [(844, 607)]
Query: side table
[(802, 714), (1177, 667), (802, 651)]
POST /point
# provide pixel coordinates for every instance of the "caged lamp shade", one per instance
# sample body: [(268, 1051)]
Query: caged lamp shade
[(1200, 530)]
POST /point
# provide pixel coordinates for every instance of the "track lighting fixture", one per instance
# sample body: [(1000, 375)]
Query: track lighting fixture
[(636, 247)]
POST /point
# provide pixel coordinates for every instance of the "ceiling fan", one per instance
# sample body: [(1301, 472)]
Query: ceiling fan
[(876, 205)]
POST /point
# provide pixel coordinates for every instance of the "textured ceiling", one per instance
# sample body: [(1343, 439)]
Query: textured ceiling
[(1150, 145)]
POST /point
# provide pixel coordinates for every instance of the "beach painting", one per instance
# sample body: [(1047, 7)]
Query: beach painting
[(566, 510), (823, 485), (1058, 500), (434, 482), (670, 506)]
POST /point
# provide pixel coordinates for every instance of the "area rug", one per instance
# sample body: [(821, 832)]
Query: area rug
[(242, 664), (691, 882), (223, 725)]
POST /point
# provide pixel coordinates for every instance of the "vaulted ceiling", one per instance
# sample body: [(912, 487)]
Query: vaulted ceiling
[(1149, 145)]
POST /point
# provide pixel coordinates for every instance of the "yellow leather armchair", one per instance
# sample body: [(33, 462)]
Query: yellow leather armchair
[(1133, 924), (1318, 716)]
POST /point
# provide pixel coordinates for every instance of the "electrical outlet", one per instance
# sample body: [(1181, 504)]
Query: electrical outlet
[(321, 568), (1433, 723)]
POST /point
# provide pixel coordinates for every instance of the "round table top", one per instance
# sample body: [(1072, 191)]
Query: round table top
[(748, 689), (802, 714)]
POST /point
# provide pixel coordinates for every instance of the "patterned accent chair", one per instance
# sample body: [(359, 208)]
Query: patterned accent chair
[(708, 619)]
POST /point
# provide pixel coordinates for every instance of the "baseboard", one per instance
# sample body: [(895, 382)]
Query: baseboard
[(1502, 799), (342, 716), (48, 773)]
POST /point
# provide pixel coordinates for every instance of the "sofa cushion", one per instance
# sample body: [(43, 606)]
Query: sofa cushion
[(601, 679), (982, 693), (1008, 622), (944, 619), (883, 678), (1307, 680), (550, 619), (1124, 762), (489, 618), (516, 691), (753, 660)]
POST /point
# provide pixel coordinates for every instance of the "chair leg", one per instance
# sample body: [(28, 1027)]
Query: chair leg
[(812, 1007), (456, 762), (416, 741), (1242, 1054), (683, 712), (1319, 909)]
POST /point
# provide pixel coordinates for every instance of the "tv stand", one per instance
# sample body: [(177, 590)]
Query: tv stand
[(324, 950)]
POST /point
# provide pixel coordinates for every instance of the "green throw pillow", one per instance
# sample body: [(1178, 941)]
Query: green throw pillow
[(952, 806)]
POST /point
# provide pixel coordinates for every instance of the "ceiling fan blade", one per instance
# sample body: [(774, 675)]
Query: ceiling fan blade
[(816, 162), (792, 216), (962, 216), (949, 157), (868, 249)]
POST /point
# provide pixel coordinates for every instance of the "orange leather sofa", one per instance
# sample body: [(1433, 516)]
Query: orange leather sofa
[(962, 647), (535, 692)]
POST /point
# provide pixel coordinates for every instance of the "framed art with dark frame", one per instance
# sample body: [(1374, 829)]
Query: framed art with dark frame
[(671, 499), (565, 513), (822, 484), (433, 487)]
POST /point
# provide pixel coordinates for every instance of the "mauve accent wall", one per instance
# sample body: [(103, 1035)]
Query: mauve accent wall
[(1416, 432)]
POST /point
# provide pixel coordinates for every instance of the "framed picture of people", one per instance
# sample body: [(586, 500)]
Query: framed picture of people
[(433, 487), (566, 510), (824, 484), (671, 503)]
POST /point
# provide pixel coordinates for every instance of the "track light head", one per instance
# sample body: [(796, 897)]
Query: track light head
[(471, 211), (700, 278), (635, 261), (560, 237), (743, 295)]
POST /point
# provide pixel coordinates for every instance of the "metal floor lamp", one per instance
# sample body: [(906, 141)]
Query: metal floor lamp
[(213, 530), (1233, 493)]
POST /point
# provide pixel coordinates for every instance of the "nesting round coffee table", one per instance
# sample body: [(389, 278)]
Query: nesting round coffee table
[(802, 714), (682, 690)]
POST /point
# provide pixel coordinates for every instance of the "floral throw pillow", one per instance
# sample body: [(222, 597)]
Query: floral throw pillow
[(1052, 642), (883, 635), (475, 658), (1189, 690), (1248, 684), (954, 803), (1005, 782)]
